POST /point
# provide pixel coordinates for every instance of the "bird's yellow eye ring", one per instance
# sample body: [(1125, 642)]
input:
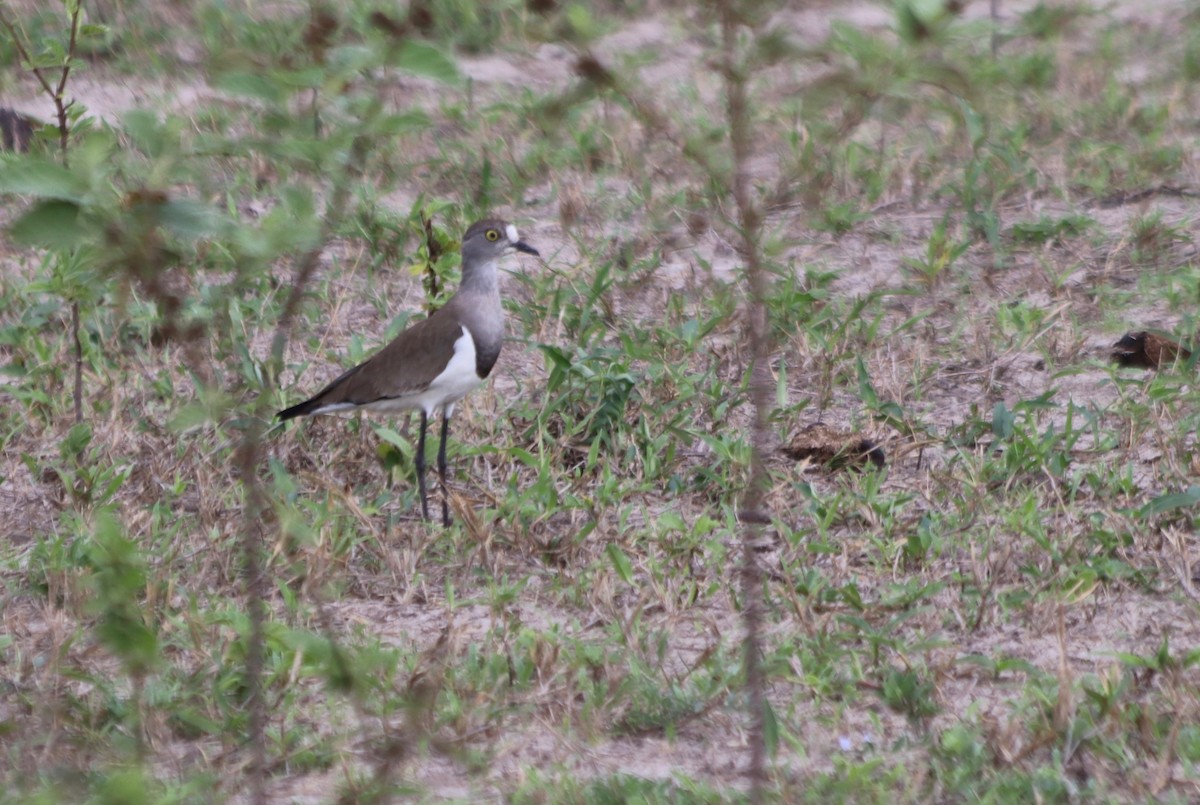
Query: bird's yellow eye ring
[(492, 235)]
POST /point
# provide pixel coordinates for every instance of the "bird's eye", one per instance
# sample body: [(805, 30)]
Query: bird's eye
[(492, 235)]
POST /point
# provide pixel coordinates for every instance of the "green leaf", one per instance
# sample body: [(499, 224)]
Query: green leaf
[(866, 389), (1002, 421), (406, 123), (1135, 660), (392, 437), (583, 25), (44, 61), (52, 224), (142, 126), (299, 79), (297, 201), (556, 355), (118, 580), (92, 154), (76, 441), (421, 58), (130, 639), (251, 85), (1170, 502), (189, 218), (671, 521), (620, 562), (770, 726), (348, 59), (525, 457), (37, 177), (212, 406), (190, 416), (128, 786), (851, 595)]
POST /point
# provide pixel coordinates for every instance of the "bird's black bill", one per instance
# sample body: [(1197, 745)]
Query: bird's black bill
[(522, 246)]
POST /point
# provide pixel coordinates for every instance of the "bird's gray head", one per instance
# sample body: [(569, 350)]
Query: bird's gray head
[(490, 238)]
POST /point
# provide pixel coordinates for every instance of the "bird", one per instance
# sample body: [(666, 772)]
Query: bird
[(436, 362), (1149, 350), (16, 129)]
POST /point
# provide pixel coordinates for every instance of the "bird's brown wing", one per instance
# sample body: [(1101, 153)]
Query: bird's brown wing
[(407, 365)]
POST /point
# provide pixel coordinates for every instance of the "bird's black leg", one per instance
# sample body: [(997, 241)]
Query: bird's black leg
[(421, 466), (442, 468)]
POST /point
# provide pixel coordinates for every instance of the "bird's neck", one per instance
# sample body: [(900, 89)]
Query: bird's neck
[(482, 279)]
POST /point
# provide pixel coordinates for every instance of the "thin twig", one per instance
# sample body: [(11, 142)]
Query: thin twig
[(749, 220), (994, 11), (78, 343), (247, 459), (61, 109), (55, 93)]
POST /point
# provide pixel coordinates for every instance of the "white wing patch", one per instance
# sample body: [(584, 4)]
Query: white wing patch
[(459, 376), (333, 408)]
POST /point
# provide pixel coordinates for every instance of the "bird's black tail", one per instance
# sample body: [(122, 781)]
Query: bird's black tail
[(318, 401), (303, 409)]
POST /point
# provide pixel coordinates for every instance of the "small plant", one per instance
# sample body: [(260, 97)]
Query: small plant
[(51, 61), (1152, 238), (653, 710), (839, 218), (85, 476), (1049, 21), (906, 692), (942, 251), (1050, 230)]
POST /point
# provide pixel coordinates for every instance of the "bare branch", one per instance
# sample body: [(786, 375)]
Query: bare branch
[(64, 133), (753, 516), (748, 225), (247, 459)]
